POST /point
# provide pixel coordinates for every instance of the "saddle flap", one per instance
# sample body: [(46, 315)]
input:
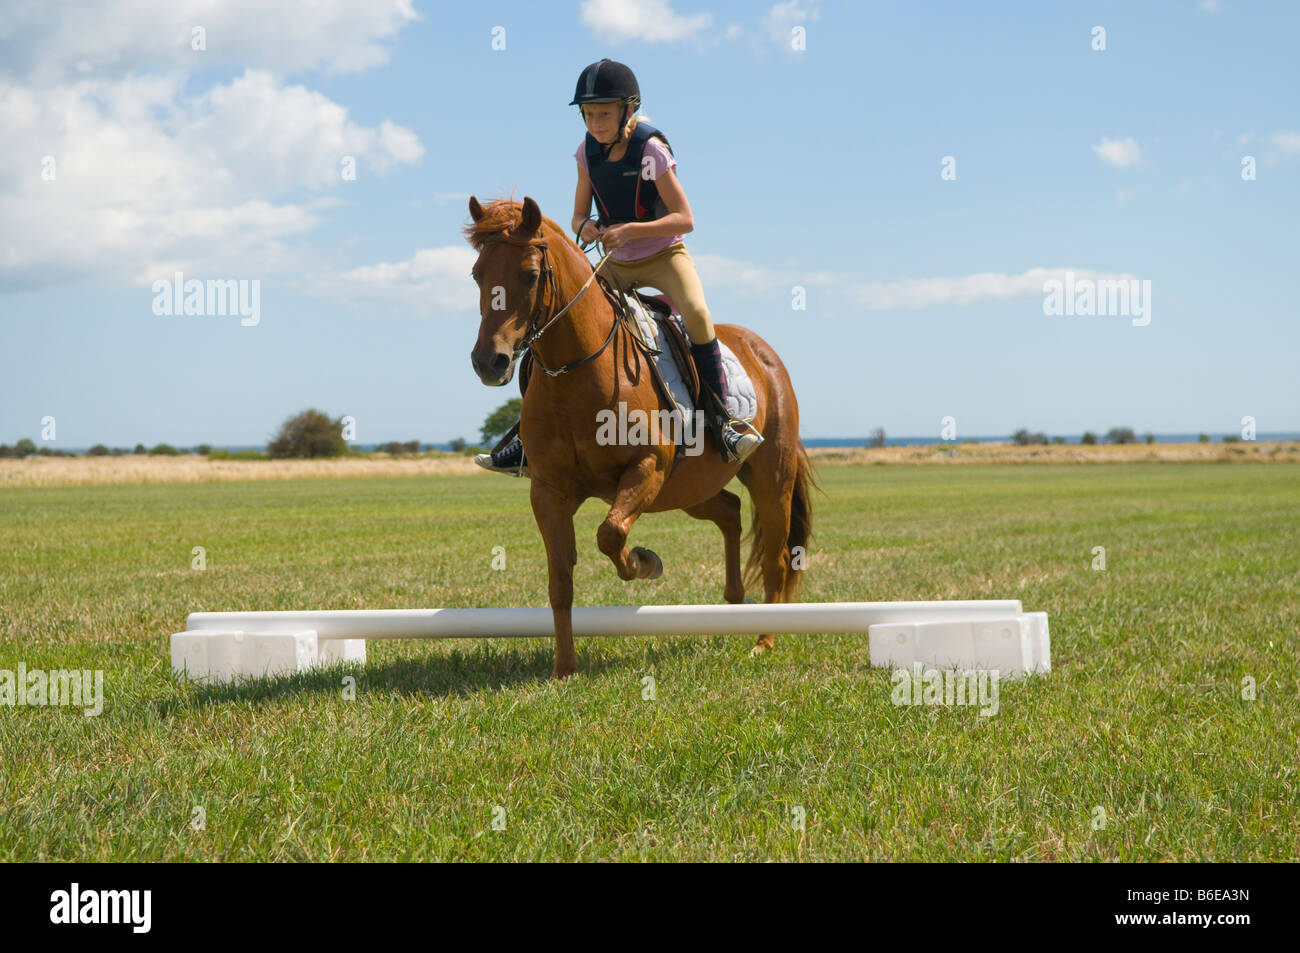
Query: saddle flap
[(679, 346)]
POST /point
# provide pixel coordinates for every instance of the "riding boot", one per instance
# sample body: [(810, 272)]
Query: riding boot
[(708, 361), (732, 444)]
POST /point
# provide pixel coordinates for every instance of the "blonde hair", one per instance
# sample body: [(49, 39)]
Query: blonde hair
[(631, 123)]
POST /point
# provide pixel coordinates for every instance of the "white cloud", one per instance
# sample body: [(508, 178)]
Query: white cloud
[(651, 21), (104, 38), (783, 17), (1210, 6), (745, 277), (967, 289), (1120, 153), (432, 282), (435, 281), (155, 170), (1286, 145), (286, 136), (760, 279)]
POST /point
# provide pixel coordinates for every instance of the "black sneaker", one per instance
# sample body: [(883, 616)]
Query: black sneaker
[(509, 459), (737, 445)]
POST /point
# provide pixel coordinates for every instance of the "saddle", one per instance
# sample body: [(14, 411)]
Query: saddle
[(678, 345), (671, 330)]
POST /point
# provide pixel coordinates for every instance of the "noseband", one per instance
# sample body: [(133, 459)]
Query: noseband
[(551, 290)]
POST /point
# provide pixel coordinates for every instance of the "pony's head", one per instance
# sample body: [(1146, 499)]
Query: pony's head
[(509, 272)]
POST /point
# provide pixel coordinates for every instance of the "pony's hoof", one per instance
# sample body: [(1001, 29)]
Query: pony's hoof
[(563, 671), (650, 558), (765, 643)]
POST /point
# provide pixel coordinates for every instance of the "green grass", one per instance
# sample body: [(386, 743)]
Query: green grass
[(1143, 714)]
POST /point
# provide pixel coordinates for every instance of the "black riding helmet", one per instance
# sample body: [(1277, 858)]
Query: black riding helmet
[(609, 82)]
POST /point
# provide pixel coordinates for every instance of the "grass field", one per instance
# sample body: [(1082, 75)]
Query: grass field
[(1143, 715)]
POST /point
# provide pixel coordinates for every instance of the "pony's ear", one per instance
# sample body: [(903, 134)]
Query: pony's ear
[(475, 210), (532, 217)]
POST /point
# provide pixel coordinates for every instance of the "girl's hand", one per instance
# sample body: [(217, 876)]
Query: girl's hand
[(590, 232), (618, 235)]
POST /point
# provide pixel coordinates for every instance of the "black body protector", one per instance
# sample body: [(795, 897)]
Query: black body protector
[(622, 192)]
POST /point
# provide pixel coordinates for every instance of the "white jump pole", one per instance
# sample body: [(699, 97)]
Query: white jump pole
[(985, 633), (739, 619)]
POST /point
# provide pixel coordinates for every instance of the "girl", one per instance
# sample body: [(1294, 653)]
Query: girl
[(626, 165)]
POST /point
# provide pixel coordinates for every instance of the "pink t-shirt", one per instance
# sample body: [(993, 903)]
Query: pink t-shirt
[(662, 161)]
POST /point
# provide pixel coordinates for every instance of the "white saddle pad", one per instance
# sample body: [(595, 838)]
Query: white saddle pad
[(741, 402)]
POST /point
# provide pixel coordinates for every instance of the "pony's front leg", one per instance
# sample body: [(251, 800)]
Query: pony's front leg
[(637, 489), (553, 510)]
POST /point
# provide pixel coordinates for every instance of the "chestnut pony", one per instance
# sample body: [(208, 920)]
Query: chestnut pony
[(584, 362)]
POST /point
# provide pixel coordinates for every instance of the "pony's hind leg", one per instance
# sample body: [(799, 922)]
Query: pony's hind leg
[(724, 510), (771, 493)]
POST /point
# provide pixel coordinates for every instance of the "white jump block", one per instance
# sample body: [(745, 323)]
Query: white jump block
[(1014, 645), (215, 655), (333, 651)]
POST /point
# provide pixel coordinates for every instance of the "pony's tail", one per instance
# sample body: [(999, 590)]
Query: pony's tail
[(801, 524)]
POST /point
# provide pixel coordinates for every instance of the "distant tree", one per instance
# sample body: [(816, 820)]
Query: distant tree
[(458, 445), (500, 421), (1203, 438), (25, 447), (1088, 437), (877, 437), (1121, 435), (98, 450), (203, 449), (1058, 440), (1150, 439), (118, 451), (140, 448), (1024, 438), (310, 433), (163, 450), (1231, 438)]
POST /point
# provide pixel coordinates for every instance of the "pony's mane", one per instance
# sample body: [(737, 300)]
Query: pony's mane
[(501, 217)]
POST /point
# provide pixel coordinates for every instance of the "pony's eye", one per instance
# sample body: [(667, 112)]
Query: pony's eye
[(528, 277)]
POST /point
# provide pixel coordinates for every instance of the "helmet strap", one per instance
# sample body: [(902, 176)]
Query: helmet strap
[(622, 127)]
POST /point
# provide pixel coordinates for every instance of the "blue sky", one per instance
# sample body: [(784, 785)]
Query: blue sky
[(818, 168)]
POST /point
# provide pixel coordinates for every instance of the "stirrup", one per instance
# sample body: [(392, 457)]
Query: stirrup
[(739, 448), (505, 447)]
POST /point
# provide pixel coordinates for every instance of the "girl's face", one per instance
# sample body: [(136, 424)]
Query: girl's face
[(602, 120)]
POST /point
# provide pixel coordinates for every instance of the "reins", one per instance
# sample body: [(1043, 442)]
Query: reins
[(552, 291)]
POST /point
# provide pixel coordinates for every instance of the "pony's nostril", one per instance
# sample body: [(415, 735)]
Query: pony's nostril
[(500, 363)]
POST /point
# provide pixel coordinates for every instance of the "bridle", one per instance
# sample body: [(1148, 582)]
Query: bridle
[(551, 290)]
